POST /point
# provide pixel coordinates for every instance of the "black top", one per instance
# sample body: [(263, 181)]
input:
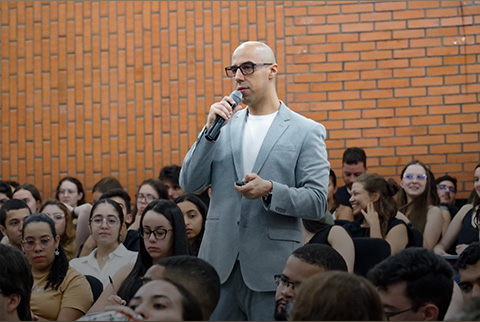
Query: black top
[(321, 237), (132, 240), (468, 234), (343, 196)]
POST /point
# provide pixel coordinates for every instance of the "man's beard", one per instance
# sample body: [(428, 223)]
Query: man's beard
[(282, 313)]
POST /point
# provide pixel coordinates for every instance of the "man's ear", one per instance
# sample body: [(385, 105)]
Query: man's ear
[(430, 313), (3, 230), (13, 302)]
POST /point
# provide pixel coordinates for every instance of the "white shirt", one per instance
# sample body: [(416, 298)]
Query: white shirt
[(256, 129), (88, 265)]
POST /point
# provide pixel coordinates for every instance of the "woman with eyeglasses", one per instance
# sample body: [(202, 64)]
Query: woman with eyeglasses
[(163, 234), (59, 292), (105, 224), (464, 228), (415, 201), (62, 217)]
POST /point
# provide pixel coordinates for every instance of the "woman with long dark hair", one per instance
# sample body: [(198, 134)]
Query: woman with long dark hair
[(464, 228), (415, 201), (163, 233), (195, 214), (59, 292)]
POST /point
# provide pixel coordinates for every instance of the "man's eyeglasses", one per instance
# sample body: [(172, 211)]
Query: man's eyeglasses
[(410, 176), (444, 187), (388, 315), (56, 216), (148, 198), (99, 220), (282, 280), (30, 243), (247, 68), (159, 233)]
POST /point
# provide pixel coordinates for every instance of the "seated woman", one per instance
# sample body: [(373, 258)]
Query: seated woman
[(372, 199), (59, 293), (148, 191), (319, 232), (163, 232), (464, 227), (106, 223), (62, 217), (194, 213), (414, 200), (70, 192)]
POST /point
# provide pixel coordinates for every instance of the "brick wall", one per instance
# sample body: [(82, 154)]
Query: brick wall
[(91, 89)]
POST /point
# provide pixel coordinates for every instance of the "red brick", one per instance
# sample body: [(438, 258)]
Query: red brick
[(397, 141), (454, 99), (394, 83), (412, 150), (376, 16), (390, 6), (410, 111), (462, 138), (393, 102), (411, 34), (443, 90), (390, 25), (378, 35), (408, 14), (357, 27), (411, 131), (427, 120), (343, 18)]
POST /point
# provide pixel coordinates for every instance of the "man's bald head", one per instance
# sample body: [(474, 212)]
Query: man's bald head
[(262, 51)]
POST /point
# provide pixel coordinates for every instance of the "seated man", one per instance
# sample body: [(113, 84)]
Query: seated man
[(469, 268), (195, 274), (447, 189), (354, 164), (16, 283), (12, 215), (303, 263), (414, 285)]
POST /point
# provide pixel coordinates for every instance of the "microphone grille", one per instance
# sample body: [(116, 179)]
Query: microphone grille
[(237, 96)]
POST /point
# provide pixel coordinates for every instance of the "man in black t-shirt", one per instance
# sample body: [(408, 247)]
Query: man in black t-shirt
[(354, 165)]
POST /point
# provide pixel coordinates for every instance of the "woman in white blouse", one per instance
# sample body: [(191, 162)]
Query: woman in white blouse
[(105, 223)]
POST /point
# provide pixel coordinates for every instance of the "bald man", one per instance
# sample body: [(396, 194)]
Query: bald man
[(280, 156)]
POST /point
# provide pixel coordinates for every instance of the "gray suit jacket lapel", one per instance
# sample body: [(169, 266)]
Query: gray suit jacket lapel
[(236, 141)]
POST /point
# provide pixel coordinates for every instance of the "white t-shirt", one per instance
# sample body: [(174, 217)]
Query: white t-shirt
[(255, 131), (88, 265)]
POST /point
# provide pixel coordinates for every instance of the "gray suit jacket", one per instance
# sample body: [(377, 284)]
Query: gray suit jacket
[(294, 157)]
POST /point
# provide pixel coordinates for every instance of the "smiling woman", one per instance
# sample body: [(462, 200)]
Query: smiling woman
[(415, 200), (59, 292)]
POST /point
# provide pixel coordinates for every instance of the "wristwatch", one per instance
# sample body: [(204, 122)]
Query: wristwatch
[(268, 197)]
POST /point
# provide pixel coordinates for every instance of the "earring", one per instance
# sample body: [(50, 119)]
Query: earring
[(57, 252)]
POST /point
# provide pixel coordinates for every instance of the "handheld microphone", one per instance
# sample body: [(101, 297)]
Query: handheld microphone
[(214, 130)]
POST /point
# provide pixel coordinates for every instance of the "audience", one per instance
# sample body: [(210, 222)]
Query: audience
[(337, 296), (469, 268), (301, 264), (163, 232), (106, 223), (375, 211), (60, 293), (29, 194), (414, 285), (415, 202), (62, 217), (70, 192), (16, 283), (195, 214), (104, 185), (195, 274), (354, 162), (169, 177), (463, 230), (12, 215)]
